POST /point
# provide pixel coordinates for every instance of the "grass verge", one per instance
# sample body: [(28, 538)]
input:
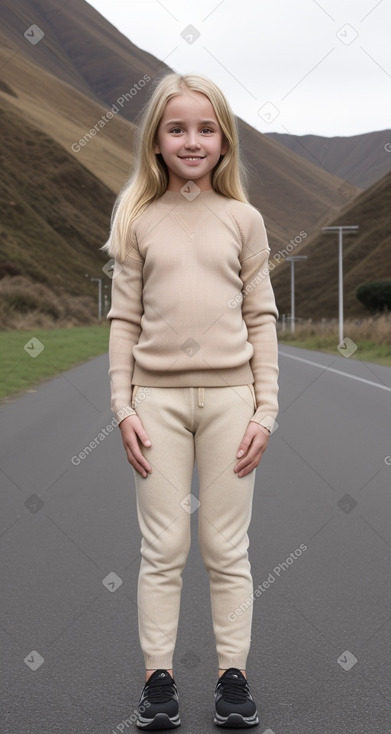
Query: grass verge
[(367, 351), (28, 358), (371, 336)]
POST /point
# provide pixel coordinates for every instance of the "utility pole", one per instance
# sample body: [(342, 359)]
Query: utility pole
[(340, 229), (99, 281), (292, 261)]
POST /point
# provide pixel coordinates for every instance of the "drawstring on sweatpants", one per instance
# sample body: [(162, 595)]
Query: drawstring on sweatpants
[(201, 402)]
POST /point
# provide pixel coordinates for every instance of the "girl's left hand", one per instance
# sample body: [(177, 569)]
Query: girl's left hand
[(252, 446)]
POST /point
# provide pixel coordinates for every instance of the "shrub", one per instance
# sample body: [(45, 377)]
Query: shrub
[(8, 268), (375, 295)]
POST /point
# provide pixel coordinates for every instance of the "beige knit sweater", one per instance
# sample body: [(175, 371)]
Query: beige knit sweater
[(193, 305)]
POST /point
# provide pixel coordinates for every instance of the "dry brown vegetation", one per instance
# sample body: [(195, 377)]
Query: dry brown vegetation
[(375, 329), (25, 304)]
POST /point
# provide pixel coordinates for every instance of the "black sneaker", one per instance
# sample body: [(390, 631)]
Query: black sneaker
[(235, 706), (158, 707)]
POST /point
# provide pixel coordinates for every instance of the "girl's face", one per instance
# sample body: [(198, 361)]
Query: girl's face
[(190, 140)]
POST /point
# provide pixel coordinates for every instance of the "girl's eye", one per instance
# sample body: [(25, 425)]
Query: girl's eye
[(176, 130)]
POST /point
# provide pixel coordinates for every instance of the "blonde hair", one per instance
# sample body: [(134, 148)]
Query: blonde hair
[(149, 179)]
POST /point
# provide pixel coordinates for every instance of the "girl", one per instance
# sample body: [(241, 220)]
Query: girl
[(193, 374)]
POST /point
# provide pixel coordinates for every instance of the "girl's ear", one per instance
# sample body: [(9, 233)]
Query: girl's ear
[(156, 148)]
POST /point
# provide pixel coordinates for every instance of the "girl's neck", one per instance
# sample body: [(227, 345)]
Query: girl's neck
[(177, 188), (179, 199), (189, 195), (176, 183)]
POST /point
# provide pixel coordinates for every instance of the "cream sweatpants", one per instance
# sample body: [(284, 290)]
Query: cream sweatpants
[(188, 424)]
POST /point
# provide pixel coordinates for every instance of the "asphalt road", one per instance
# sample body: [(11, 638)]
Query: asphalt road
[(69, 544)]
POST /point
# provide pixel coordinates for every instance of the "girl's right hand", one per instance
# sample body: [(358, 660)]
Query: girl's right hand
[(131, 429)]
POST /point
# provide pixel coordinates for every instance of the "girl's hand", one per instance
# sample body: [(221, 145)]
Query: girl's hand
[(131, 429), (252, 446)]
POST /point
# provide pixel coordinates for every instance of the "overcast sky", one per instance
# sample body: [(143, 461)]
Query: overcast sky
[(295, 66)]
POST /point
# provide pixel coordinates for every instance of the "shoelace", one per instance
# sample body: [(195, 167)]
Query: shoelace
[(158, 692), (233, 691)]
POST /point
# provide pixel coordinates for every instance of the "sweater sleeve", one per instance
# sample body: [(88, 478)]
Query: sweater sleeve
[(125, 329), (260, 313)]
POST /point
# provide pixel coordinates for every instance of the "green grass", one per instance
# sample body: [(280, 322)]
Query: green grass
[(63, 348), (367, 351)]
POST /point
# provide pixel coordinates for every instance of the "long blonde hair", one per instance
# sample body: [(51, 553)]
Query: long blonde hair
[(149, 179)]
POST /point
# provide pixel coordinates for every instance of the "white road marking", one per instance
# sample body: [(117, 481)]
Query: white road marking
[(338, 372)]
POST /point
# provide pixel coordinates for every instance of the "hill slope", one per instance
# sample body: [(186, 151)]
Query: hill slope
[(366, 256), (360, 159), (53, 212), (54, 92), (66, 115), (81, 48), (97, 65)]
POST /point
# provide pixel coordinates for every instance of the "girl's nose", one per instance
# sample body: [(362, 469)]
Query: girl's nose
[(192, 142)]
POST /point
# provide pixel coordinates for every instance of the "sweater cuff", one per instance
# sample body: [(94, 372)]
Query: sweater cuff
[(267, 421), (123, 413)]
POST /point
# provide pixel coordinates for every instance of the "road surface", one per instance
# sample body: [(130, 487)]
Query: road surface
[(320, 548)]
